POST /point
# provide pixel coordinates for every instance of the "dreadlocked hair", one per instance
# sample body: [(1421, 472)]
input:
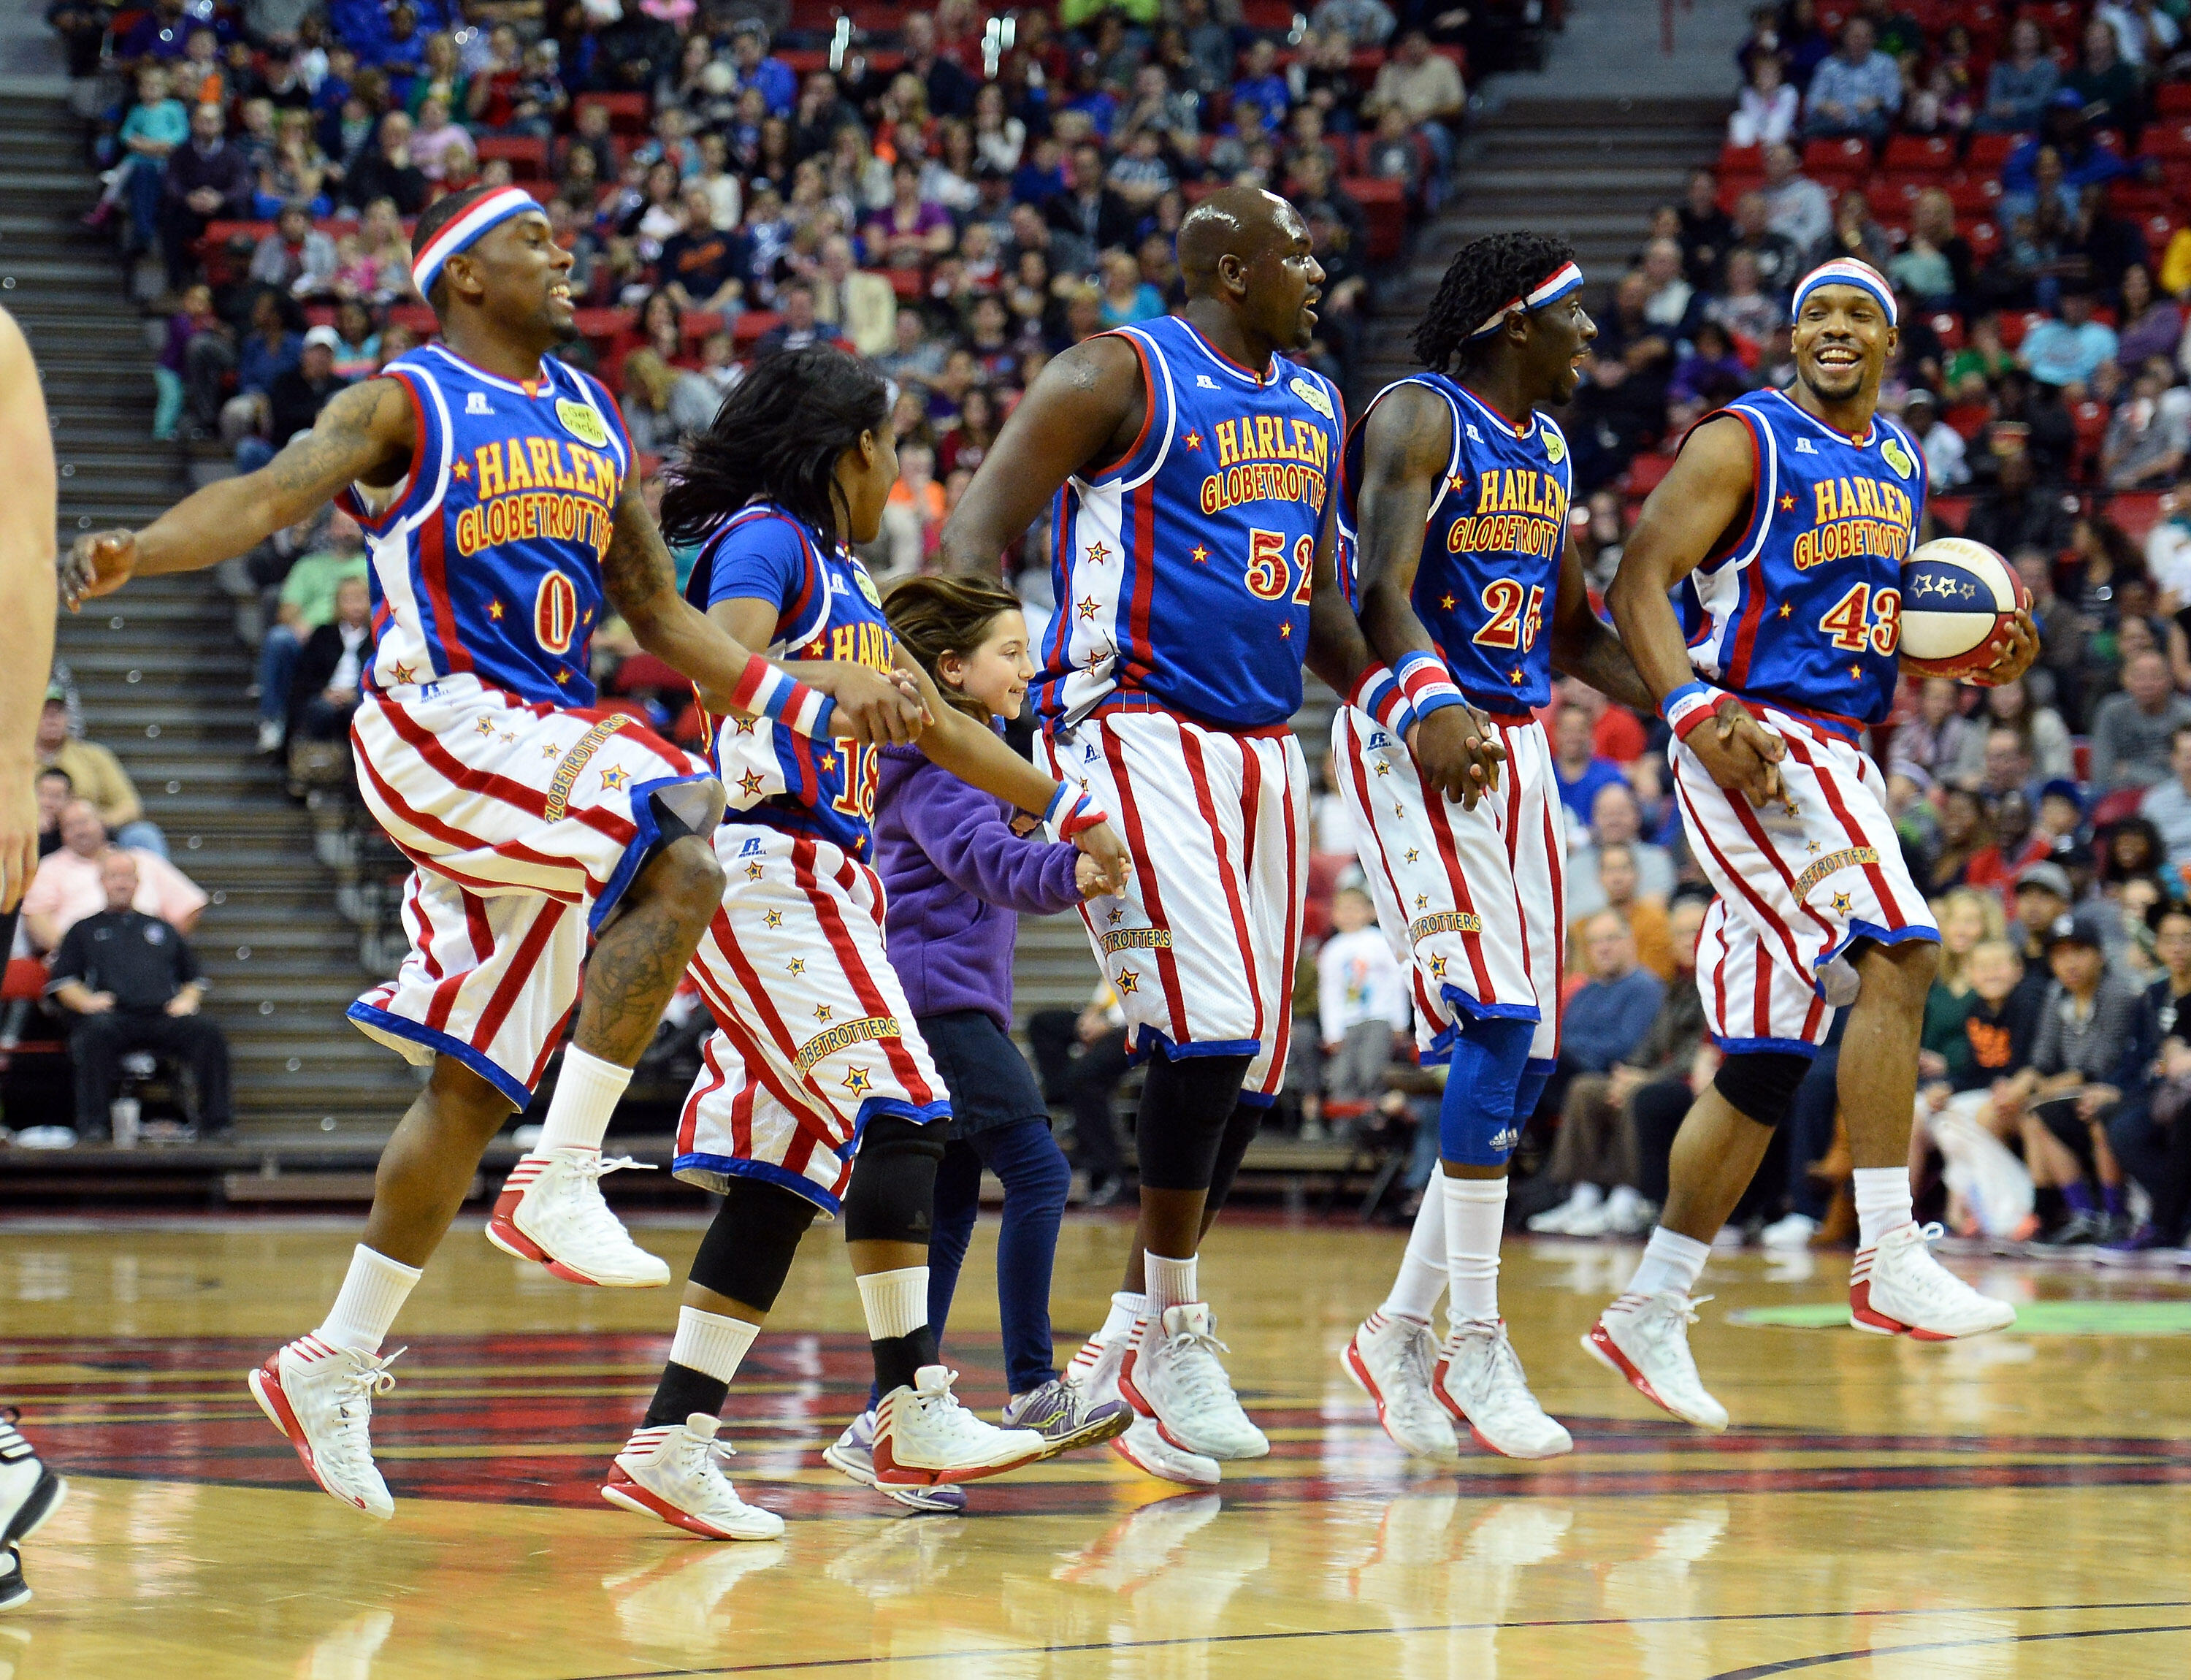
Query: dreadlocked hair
[(1484, 274), (777, 436), (933, 615)]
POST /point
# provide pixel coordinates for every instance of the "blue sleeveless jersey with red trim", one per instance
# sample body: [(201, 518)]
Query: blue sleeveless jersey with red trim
[(487, 560), (1182, 571), (827, 608), (1492, 545), (1803, 607)]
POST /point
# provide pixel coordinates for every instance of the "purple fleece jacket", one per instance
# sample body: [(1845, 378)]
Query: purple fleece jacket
[(956, 873)]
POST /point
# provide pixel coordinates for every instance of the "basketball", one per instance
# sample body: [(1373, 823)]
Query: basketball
[(1957, 596)]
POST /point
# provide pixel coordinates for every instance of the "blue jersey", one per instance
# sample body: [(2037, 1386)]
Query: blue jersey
[(1492, 547), (1182, 570), (1803, 607), (486, 558), (827, 608)]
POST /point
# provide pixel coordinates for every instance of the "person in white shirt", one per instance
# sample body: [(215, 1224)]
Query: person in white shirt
[(1943, 446), (1765, 114), (1361, 1000), (2167, 804)]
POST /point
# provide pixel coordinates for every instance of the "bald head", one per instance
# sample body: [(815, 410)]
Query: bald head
[(1237, 221)]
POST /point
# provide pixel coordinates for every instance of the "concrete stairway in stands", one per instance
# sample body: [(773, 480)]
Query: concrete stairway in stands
[(162, 673)]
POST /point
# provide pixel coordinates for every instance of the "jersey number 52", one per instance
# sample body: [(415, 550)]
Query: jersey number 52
[(1866, 617), (1516, 615), (1267, 577)]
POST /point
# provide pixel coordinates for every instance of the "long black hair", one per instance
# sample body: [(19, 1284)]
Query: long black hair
[(1484, 274), (778, 437)]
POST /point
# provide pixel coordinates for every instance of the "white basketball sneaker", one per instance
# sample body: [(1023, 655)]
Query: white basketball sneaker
[(1171, 1373), (551, 1211), (1093, 1372), (669, 1471), (1391, 1360), (1646, 1338), (322, 1398), (852, 1454), (29, 1492), (1479, 1381), (1897, 1289), (923, 1436)]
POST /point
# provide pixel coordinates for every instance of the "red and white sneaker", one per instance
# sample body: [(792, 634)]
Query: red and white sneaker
[(1479, 1381), (322, 1398), (1093, 1371), (551, 1211), (670, 1470), (1391, 1358), (923, 1436), (1645, 1339), (1897, 1289), (1171, 1373)]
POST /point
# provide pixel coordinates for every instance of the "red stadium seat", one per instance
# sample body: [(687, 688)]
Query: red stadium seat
[(2089, 420), (2168, 142), (1984, 237), (417, 317), (1746, 161), (1384, 206), (2172, 100), (2137, 511), (1968, 419), (1364, 63), (1950, 510), (1972, 196), (1989, 152), (1926, 157), (1948, 326), (627, 111), (752, 324), (527, 155), (2015, 324), (1836, 163)]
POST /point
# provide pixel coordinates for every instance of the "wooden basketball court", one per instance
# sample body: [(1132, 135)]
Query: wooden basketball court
[(2006, 1507)]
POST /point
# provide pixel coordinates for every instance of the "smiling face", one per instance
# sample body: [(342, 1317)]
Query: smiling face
[(996, 674), (517, 273), (1843, 342)]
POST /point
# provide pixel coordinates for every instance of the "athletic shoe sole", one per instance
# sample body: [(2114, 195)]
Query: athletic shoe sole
[(1088, 1435), (35, 1512), (1863, 1316), (502, 1231), (1133, 1397), (912, 1498), (1600, 1347), (889, 1473), (266, 1389), (15, 1595), (621, 1489), (1352, 1362)]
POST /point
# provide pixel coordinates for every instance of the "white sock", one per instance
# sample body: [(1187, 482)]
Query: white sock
[(1171, 1282), (1882, 1203), (372, 1293), (895, 1303), (1421, 1280), (586, 1092), (1670, 1261), (1475, 1215), (1125, 1307), (710, 1343)]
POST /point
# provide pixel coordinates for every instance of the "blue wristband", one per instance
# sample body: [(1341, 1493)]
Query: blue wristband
[(1675, 695)]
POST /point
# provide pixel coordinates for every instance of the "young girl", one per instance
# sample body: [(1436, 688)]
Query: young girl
[(956, 873), (817, 1092)]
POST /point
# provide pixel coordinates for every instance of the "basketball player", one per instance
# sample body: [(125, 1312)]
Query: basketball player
[(30, 1491), (495, 485), (1190, 466), (817, 1092), (1784, 523), (1459, 514)]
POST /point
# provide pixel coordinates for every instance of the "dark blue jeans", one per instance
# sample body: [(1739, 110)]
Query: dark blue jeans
[(1036, 1178)]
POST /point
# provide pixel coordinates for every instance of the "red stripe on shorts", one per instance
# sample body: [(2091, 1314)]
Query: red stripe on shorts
[(1198, 772), (826, 912), (1146, 876)]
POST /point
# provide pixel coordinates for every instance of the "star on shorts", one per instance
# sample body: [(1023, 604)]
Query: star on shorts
[(796, 967), (1088, 605), (614, 778), (509, 740), (1414, 856), (1842, 904), (1811, 848), (550, 749), (749, 784), (1422, 900), (1097, 554), (402, 673), (774, 918), (823, 1013), (745, 726), (1113, 918), (1129, 981), (753, 871), (1399, 810), (857, 1082), (1383, 768), (1438, 968), (485, 726)]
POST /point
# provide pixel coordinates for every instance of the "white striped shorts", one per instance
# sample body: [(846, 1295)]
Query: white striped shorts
[(525, 824), (1202, 944), (1796, 884), (1474, 901), (812, 1033)]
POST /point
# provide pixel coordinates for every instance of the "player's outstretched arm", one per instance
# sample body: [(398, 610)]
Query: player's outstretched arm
[(1708, 490), (26, 603), (1406, 442), (640, 578), (1084, 410), (976, 755), (364, 434)]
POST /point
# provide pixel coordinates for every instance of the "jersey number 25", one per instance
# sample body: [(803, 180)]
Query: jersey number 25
[(1267, 577), (1516, 615)]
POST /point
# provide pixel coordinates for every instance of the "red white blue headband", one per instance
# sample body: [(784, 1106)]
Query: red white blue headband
[(1564, 279), (1846, 271), (466, 231)]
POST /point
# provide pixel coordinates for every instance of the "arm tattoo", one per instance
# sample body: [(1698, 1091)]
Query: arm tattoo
[(348, 442), (637, 569)]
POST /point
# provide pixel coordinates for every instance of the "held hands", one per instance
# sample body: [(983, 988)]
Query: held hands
[(1104, 853), (874, 708), (2014, 649), (1088, 879), (184, 1002), (1740, 753), (97, 565), (1458, 753)]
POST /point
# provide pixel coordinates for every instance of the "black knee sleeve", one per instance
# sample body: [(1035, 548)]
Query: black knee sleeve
[(892, 1194), (1184, 1106), (1240, 1129), (1760, 1083), (746, 1253)]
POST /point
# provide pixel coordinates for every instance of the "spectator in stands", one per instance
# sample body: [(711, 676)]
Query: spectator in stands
[(1778, 261), (1615, 883), (1364, 23), (2019, 85), (133, 983), (699, 391), (1427, 86), (194, 362), (1937, 737), (1610, 1013), (2131, 732), (68, 887), (798, 325), (155, 126), (950, 89), (2016, 514), (2067, 351), (306, 602), (862, 306), (1765, 113), (1576, 766), (1362, 1002), (331, 667), (2065, 1096), (385, 170), (2106, 90), (1945, 459), (295, 256), (1796, 207), (1261, 88), (2167, 804), (2148, 437), (1707, 231), (208, 179), (1082, 1057), (2042, 737), (2150, 1134), (294, 397), (55, 790), (95, 776), (1616, 819), (702, 267), (1088, 212), (1857, 91)]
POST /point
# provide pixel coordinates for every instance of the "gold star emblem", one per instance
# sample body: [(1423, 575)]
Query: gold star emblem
[(494, 611), (586, 618), (403, 672), (1088, 605), (1842, 904), (485, 726), (1198, 554), (1514, 676), (828, 761), (1114, 918), (1447, 603), (1129, 982), (1286, 631), (1096, 656), (1192, 440), (773, 918), (857, 1082), (796, 967), (1438, 968), (822, 1013), (1456, 482), (462, 470), (1414, 856), (550, 749), (753, 871), (614, 778), (1399, 810), (1787, 504), (1785, 609), (1422, 900), (563, 675), (1811, 847), (1383, 768), (1856, 672), (509, 740), (1097, 554), (749, 784), (1790, 809)]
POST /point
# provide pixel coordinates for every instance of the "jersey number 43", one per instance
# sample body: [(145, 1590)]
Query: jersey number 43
[(1866, 617)]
